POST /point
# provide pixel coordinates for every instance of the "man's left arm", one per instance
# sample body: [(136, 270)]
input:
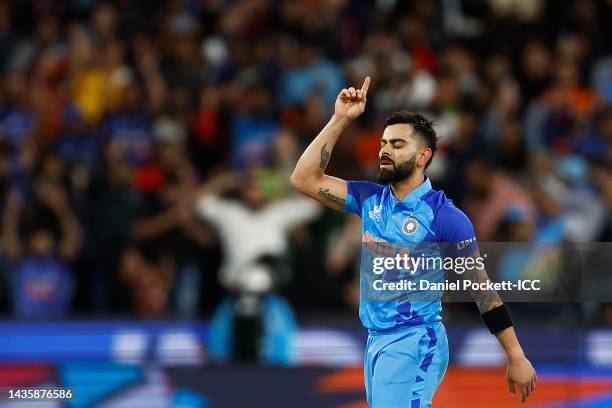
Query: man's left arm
[(520, 372)]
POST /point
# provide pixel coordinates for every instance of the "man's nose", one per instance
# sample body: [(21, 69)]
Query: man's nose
[(383, 153)]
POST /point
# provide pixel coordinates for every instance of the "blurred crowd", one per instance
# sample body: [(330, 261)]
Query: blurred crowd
[(116, 118)]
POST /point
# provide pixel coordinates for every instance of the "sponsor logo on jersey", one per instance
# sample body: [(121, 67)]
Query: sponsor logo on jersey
[(465, 243), (376, 213)]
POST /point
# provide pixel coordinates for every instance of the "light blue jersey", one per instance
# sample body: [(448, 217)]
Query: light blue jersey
[(424, 216), (407, 351)]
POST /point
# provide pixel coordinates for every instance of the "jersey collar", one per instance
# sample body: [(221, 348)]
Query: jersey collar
[(415, 195)]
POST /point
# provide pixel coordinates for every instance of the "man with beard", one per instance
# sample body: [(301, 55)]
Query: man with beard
[(407, 350)]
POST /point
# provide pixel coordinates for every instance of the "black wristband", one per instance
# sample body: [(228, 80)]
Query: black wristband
[(497, 319)]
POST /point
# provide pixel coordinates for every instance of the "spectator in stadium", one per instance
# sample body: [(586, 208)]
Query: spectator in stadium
[(251, 227), (254, 232), (42, 281), (167, 234)]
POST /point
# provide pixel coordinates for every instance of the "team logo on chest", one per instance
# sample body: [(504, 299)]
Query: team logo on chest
[(410, 226)]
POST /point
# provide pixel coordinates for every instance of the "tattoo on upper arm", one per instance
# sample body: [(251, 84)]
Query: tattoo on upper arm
[(325, 155), (324, 193)]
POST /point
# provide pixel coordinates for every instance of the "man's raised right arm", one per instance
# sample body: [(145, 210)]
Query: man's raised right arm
[(309, 176)]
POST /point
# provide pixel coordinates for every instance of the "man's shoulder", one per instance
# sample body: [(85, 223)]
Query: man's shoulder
[(436, 200), (361, 190), (443, 208), (365, 186)]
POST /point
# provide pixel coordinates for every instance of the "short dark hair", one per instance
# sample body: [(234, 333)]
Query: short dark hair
[(421, 125)]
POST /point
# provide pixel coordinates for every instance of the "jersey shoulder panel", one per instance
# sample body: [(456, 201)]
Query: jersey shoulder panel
[(358, 192), (450, 224)]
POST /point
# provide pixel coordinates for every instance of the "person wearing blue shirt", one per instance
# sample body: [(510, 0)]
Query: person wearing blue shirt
[(406, 353)]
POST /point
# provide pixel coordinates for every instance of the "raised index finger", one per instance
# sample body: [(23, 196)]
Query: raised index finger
[(366, 84)]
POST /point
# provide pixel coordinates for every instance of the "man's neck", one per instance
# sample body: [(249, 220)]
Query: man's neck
[(402, 188)]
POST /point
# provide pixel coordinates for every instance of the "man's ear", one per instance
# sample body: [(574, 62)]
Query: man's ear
[(423, 157)]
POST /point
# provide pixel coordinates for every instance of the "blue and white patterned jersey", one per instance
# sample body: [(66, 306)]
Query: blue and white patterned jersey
[(423, 216)]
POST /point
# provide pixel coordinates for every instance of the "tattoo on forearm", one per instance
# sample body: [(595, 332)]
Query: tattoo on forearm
[(485, 299), (324, 193), (489, 300), (325, 155)]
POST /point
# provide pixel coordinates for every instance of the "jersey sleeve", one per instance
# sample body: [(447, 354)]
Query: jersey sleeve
[(358, 192), (455, 229)]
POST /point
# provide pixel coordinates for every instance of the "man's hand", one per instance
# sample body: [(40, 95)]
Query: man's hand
[(520, 373), (351, 102)]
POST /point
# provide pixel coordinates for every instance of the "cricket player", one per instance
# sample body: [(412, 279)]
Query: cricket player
[(406, 354)]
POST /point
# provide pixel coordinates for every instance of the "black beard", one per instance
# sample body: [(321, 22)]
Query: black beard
[(399, 172)]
